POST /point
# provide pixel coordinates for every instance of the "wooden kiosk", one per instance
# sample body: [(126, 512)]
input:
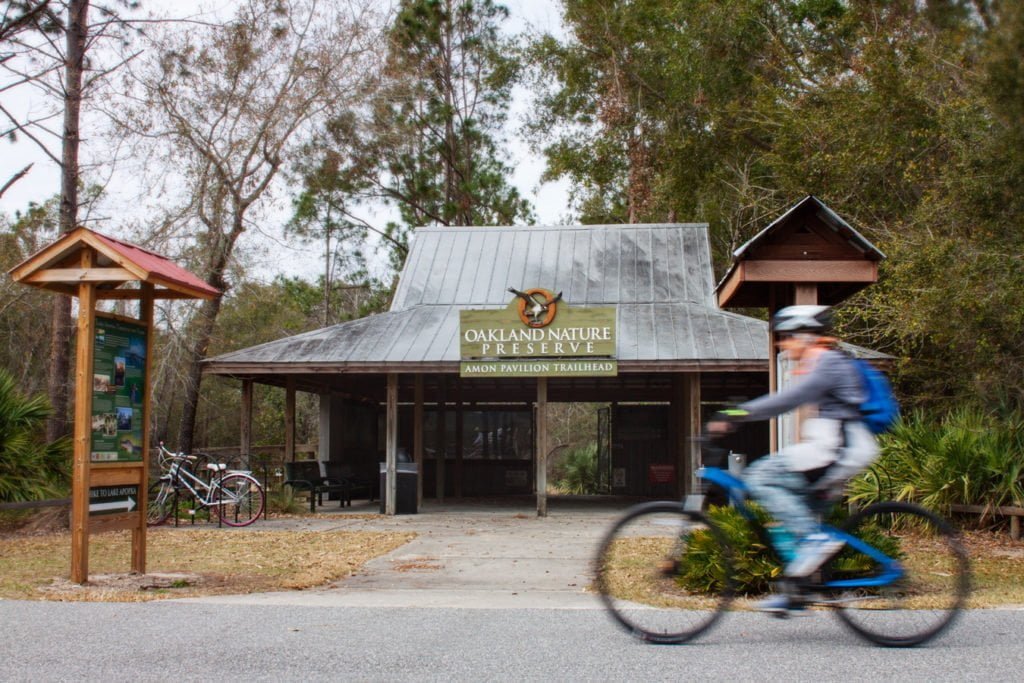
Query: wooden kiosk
[(113, 363), (809, 255)]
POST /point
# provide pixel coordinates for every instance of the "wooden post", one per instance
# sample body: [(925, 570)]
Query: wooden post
[(679, 431), (83, 425), (441, 438), (391, 446), (773, 369), (458, 439), (417, 435), (289, 419), (245, 438), (542, 446), (694, 426), (139, 532)]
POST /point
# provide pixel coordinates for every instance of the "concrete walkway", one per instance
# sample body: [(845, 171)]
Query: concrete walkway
[(469, 555)]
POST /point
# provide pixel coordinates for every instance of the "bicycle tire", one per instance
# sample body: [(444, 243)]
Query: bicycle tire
[(927, 599), (641, 566), (160, 502), (239, 499)]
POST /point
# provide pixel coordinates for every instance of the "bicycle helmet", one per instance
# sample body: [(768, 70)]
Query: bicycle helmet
[(805, 318)]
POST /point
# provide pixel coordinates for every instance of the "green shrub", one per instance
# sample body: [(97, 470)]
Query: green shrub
[(969, 456), (576, 471), (703, 570), (30, 468)]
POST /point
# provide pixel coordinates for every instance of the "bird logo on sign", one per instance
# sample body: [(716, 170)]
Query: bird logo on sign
[(537, 307)]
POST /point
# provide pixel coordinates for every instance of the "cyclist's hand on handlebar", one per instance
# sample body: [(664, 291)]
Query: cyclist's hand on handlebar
[(717, 428)]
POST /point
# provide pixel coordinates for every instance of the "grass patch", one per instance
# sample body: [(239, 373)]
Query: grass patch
[(188, 563), (996, 565)]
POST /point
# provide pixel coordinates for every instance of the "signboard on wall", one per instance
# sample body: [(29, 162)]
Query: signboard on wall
[(538, 335), (118, 390)]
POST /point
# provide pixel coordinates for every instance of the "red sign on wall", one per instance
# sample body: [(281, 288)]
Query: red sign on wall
[(661, 474)]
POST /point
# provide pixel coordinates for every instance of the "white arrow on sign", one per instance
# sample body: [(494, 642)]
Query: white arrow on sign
[(126, 505)]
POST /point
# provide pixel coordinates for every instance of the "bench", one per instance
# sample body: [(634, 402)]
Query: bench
[(304, 475), (338, 471)]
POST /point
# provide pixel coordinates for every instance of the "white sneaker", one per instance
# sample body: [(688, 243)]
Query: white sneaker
[(812, 552)]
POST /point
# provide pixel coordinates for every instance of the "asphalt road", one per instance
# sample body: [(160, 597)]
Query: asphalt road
[(180, 641)]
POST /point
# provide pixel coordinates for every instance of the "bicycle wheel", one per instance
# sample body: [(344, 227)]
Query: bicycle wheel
[(239, 499), (160, 503), (649, 573), (926, 599)]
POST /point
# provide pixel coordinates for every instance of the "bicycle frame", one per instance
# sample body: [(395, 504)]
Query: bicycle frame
[(737, 492), (178, 477)]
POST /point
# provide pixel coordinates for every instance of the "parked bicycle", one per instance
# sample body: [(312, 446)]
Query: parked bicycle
[(667, 572), (235, 496)]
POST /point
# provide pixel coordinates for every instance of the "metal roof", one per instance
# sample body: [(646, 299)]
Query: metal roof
[(827, 215), (590, 265), (658, 276)]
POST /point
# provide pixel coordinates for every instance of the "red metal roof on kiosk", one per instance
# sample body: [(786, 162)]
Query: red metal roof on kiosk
[(57, 267)]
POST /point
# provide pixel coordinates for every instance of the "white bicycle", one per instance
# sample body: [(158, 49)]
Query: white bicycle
[(235, 496)]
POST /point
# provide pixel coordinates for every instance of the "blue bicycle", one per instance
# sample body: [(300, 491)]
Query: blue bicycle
[(666, 571)]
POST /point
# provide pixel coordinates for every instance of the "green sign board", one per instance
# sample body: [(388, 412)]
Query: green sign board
[(553, 340), (542, 367), (110, 500), (118, 389)]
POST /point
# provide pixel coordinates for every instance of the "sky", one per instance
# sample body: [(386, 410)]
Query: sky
[(550, 200)]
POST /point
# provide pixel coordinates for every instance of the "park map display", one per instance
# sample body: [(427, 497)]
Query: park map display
[(118, 388)]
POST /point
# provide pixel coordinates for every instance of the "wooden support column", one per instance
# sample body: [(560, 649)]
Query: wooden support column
[(806, 294), (458, 438), (139, 532), (692, 389), (442, 428), (417, 435), (289, 419), (542, 446), (83, 425), (245, 438), (391, 446), (679, 431), (773, 369)]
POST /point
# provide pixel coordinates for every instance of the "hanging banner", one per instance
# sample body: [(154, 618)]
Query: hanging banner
[(118, 388)]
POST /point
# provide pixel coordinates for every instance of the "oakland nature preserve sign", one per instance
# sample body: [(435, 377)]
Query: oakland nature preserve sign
[(538, 335)]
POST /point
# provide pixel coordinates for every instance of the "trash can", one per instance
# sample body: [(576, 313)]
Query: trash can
[(405, 500)]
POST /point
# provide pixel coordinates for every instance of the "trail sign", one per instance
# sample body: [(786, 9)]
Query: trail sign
[(110, 500)]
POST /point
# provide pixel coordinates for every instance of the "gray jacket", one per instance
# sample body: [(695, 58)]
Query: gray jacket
[(834, 385)]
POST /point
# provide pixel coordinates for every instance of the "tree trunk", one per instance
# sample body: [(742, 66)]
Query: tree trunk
[(207, 318), (60, 337)]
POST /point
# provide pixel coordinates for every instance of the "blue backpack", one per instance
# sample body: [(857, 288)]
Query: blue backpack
[(881, 410)]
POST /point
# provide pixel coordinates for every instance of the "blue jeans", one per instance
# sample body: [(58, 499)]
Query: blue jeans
[(783, 493)]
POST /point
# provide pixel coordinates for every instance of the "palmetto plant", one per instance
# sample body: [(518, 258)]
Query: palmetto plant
[(30, 468), (576, 472), (969, 456)]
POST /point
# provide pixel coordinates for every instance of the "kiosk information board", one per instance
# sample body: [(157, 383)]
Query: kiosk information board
[(118, 390)]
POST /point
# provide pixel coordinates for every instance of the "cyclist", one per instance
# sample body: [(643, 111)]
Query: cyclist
[(834, 442)]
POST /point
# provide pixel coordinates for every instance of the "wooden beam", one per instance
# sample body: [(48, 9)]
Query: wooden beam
[(245, 434), (694, 427), (82, 426), (139, 532), (810, 271), (391, 446), (805, 294), (542, 446), (289, 419), (458, 438), (439, 453), (80, 275), (417, 435)]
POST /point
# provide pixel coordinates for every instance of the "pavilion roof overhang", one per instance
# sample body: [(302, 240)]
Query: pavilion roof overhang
[(58, 268), (835, 257)]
